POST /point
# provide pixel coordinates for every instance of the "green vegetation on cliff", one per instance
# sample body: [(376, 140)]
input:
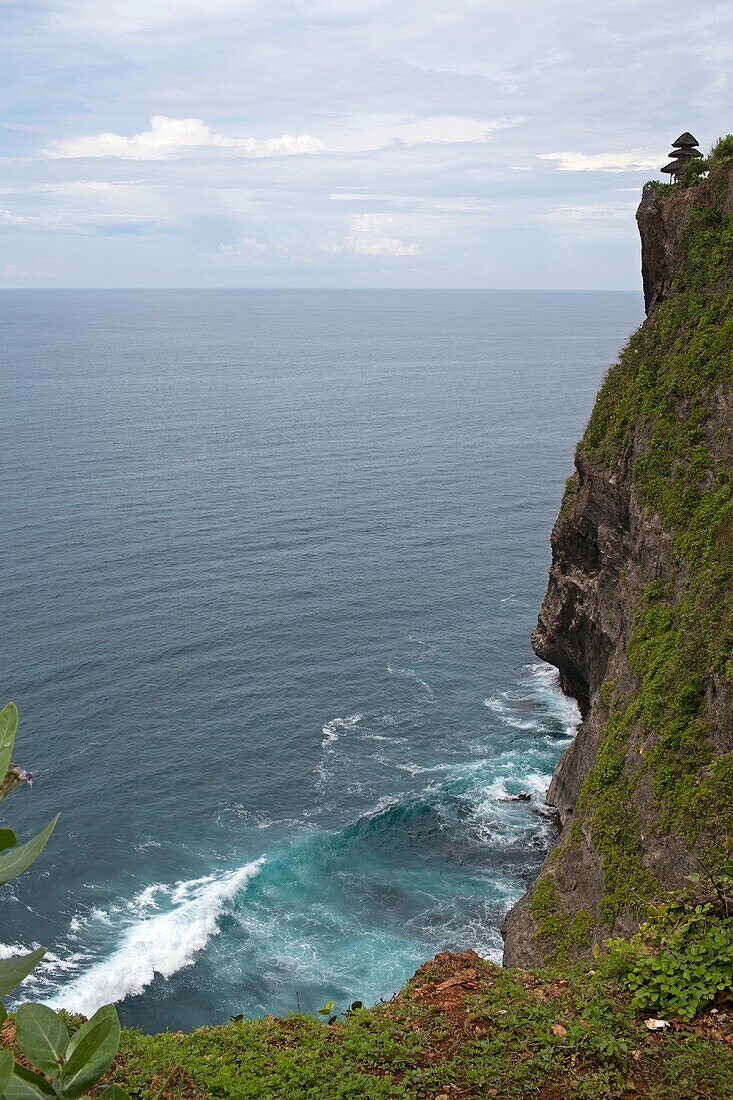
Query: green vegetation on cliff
[(667, 389)]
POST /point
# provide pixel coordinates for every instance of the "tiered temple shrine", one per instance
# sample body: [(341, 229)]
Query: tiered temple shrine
[(684, 149)]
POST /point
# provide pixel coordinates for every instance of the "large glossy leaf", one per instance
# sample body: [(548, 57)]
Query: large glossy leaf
[(17, 967), (42, 1036), (8, 728), (3, 1014), (19, 859), (6, 1068), (26, 1085), (8, 839), (91, 1051)]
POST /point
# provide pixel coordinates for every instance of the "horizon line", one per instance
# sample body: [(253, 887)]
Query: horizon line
[(349, 289)]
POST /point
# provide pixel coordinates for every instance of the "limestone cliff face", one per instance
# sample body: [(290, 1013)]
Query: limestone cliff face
[(622, 591)]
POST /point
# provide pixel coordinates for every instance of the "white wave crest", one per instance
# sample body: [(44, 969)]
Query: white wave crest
[(158, 942), (546, 682), (332, 730), (504, 714)]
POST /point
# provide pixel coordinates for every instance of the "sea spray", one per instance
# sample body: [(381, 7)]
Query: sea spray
[(156, 942)]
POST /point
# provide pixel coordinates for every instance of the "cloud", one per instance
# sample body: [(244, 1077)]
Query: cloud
[(84, 206), (380, 246), (367, 238), (245, 246), (170, 136), (370, 223), (367, 134), (133, 16), (635, 161), (605, 213), (433, 112)]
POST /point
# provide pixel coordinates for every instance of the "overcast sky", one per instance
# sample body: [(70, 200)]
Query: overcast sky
[(461, 143)]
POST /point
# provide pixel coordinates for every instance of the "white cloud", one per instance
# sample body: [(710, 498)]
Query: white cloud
[(169, 136), (367, 238), (380, 246), (636, 160), (370, 223), (590, 212), (370, 133), (132, 16), (245, 246), (89, 206)]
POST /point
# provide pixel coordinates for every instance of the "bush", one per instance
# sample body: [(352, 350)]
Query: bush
[(679, 961), (722, 151), (68, 1065)]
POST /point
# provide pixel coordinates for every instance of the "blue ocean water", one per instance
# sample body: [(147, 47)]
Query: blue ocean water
[(270, 563)]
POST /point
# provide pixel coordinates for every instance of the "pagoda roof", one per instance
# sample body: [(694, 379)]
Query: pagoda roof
[(685, 139), (673, 166), (686, 153)]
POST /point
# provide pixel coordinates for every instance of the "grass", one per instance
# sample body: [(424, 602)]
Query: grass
[(461, 1028)]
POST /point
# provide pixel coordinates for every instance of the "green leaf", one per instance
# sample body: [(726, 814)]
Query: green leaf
[(26, 1085), (19, 859), (327, 1008), (3, 1014), (91, 1051), (6, 1068), (8, 728), (42, 1036), (114, 1092), (17, 967), (8, 839)]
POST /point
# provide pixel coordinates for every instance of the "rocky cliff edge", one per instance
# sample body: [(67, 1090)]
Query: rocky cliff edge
[(638, 613)]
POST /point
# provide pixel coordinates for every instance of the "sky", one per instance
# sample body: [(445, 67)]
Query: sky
[(345, 143)]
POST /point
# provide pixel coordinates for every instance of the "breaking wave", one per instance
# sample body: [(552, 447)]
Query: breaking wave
[(425, 869), (163, 928)]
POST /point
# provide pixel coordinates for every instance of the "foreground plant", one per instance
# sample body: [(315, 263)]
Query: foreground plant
[(65, 1066), (681, 959)]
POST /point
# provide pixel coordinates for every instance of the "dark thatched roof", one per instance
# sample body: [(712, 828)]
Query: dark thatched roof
[(686, 154), (673, 166), (684, 139)]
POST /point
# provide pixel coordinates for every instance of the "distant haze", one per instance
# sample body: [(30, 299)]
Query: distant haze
[(354, 143)]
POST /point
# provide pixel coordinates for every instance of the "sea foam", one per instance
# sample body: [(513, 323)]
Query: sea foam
[(156, 942)]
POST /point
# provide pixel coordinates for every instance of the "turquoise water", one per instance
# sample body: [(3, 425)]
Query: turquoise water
[(270, 563)]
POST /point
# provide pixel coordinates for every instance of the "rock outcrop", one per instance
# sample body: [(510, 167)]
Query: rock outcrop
[(638, 611)]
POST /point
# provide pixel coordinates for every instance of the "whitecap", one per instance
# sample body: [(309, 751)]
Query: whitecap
[(382, 737), (545, 682), (161, 942), (504, 714), (332, 730), (420, 769)]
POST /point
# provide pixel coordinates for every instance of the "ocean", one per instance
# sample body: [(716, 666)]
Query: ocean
[(270, 561)]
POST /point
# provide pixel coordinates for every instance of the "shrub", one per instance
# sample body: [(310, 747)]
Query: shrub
[(679, 961), (722, 151), (68, 1065)]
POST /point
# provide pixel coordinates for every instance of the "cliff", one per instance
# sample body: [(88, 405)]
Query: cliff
[(638, 613)]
